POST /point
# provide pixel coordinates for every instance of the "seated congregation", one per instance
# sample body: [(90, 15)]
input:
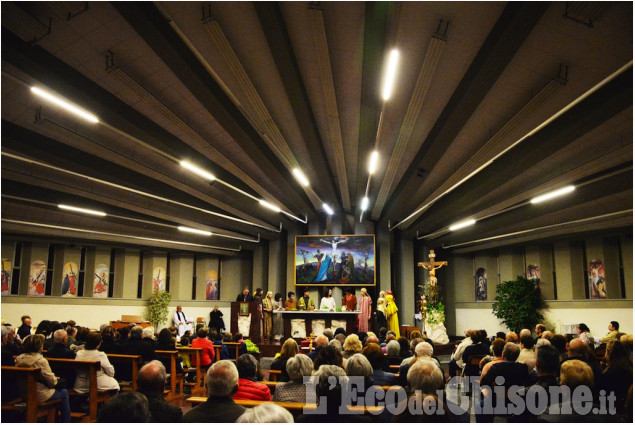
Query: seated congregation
[(359, 377)]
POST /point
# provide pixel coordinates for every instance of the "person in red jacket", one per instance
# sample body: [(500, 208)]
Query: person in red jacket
[(248, 387), (208, 353)]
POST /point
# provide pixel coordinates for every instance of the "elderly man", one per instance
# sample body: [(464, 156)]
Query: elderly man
[(320, 342), (423, 350), (136, 345), (60, 350), (245, 296), (182, 322), (456, 363), (222, 384), (513, 373), (151, 382), (580, 350)]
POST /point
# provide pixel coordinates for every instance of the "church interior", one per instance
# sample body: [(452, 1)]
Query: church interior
[(190, 146)]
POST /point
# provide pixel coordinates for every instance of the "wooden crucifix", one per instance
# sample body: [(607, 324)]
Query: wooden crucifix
[(432, 265)]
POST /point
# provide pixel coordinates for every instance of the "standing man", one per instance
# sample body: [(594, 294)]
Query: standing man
[(305, 302), (291, 303), (181, 322), (350, 300), (25, 329), (245, 296)]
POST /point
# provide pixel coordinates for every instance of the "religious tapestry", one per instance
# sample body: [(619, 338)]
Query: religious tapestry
[(37, 279), (597, 284), (6, 276), (158, 279), (69, 282), (533, 272), (335, 259), (480, 284), (211, 285), (101, 281)]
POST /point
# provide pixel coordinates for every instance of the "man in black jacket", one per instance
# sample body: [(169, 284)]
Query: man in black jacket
[(25, 329), (151, 382), (244, 296)]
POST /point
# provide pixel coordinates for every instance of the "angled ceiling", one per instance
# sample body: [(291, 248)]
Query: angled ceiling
[(493, 104)]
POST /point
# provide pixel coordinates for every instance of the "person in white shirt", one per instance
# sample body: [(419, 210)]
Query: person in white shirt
[(181, 322), (456, 363), (328, 302)]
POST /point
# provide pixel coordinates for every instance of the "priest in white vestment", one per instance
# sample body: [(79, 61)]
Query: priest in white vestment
[(181, 322)]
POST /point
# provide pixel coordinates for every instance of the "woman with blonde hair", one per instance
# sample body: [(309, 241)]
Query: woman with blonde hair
[(289, 349), (352, 345), (380, 313)]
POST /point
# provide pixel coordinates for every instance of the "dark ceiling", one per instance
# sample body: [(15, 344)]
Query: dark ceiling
[(493, 104)]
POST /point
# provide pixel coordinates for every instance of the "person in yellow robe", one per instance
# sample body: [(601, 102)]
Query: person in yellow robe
[(391, 314)]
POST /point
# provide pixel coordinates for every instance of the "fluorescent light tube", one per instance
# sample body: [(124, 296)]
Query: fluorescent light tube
[(328, 209), (391, 74), (462, 224), (553, 194), (270, 206), (81, 210), (65, 104), (372, 162), (300, 177), (196, 231), (197, 170), (365, 203)]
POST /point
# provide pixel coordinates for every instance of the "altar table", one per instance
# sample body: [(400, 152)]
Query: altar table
[(349, 316)]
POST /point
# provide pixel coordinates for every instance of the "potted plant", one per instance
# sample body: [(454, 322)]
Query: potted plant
[(157, 308), (518, 303)]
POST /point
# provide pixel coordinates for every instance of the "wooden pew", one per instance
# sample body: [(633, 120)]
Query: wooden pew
[(198, 387), (122, 362), (26, 378), (175, 378), (95, 397), (236, 347), (274, 375)]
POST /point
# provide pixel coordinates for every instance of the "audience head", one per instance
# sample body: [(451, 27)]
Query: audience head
[(372, 339), (382, 332), (136, 332), (321, 341), (341, 338), (579, 349), (238, 337), (413, 345), (26, 320), (424, 375), (340, 331), (298, 367), (547, 360), (93, 340), (148, 332), (497, 347), (476, 336), (335, 343), (266, 413), (185, 341), (247, 366), (575, 373), (393, 348), (43, 328), (627, 341), (404, 347), (151, 378), (511, 352), (614, 326), (165, 337), (524, 332), (124, 332), (414, 334), (125, 407), (358, 365), (328, 355), (375, 355), (60, 336), (202, 332), (560, 342), (108, 333), (352, 344), (424, 349), (541, 342), (362, 336), (527, 342), (5, 334), (33, 343), (289, 348), (501, 335), (328, 333), (540, 328), (618, 357), (512, 337), (330, 382), (548, 335), (222, 379)]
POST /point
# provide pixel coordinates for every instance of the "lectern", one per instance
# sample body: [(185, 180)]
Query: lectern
[(242, 309)]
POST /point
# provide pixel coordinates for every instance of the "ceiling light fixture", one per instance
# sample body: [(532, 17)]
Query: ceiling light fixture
[(300, 177), (197, 170), (391, 73), (196, 231), (65, 105), (82, 210), (554, 194), (372, 162), (365, 203), (328, 209), (270, 206), (462, 224)]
